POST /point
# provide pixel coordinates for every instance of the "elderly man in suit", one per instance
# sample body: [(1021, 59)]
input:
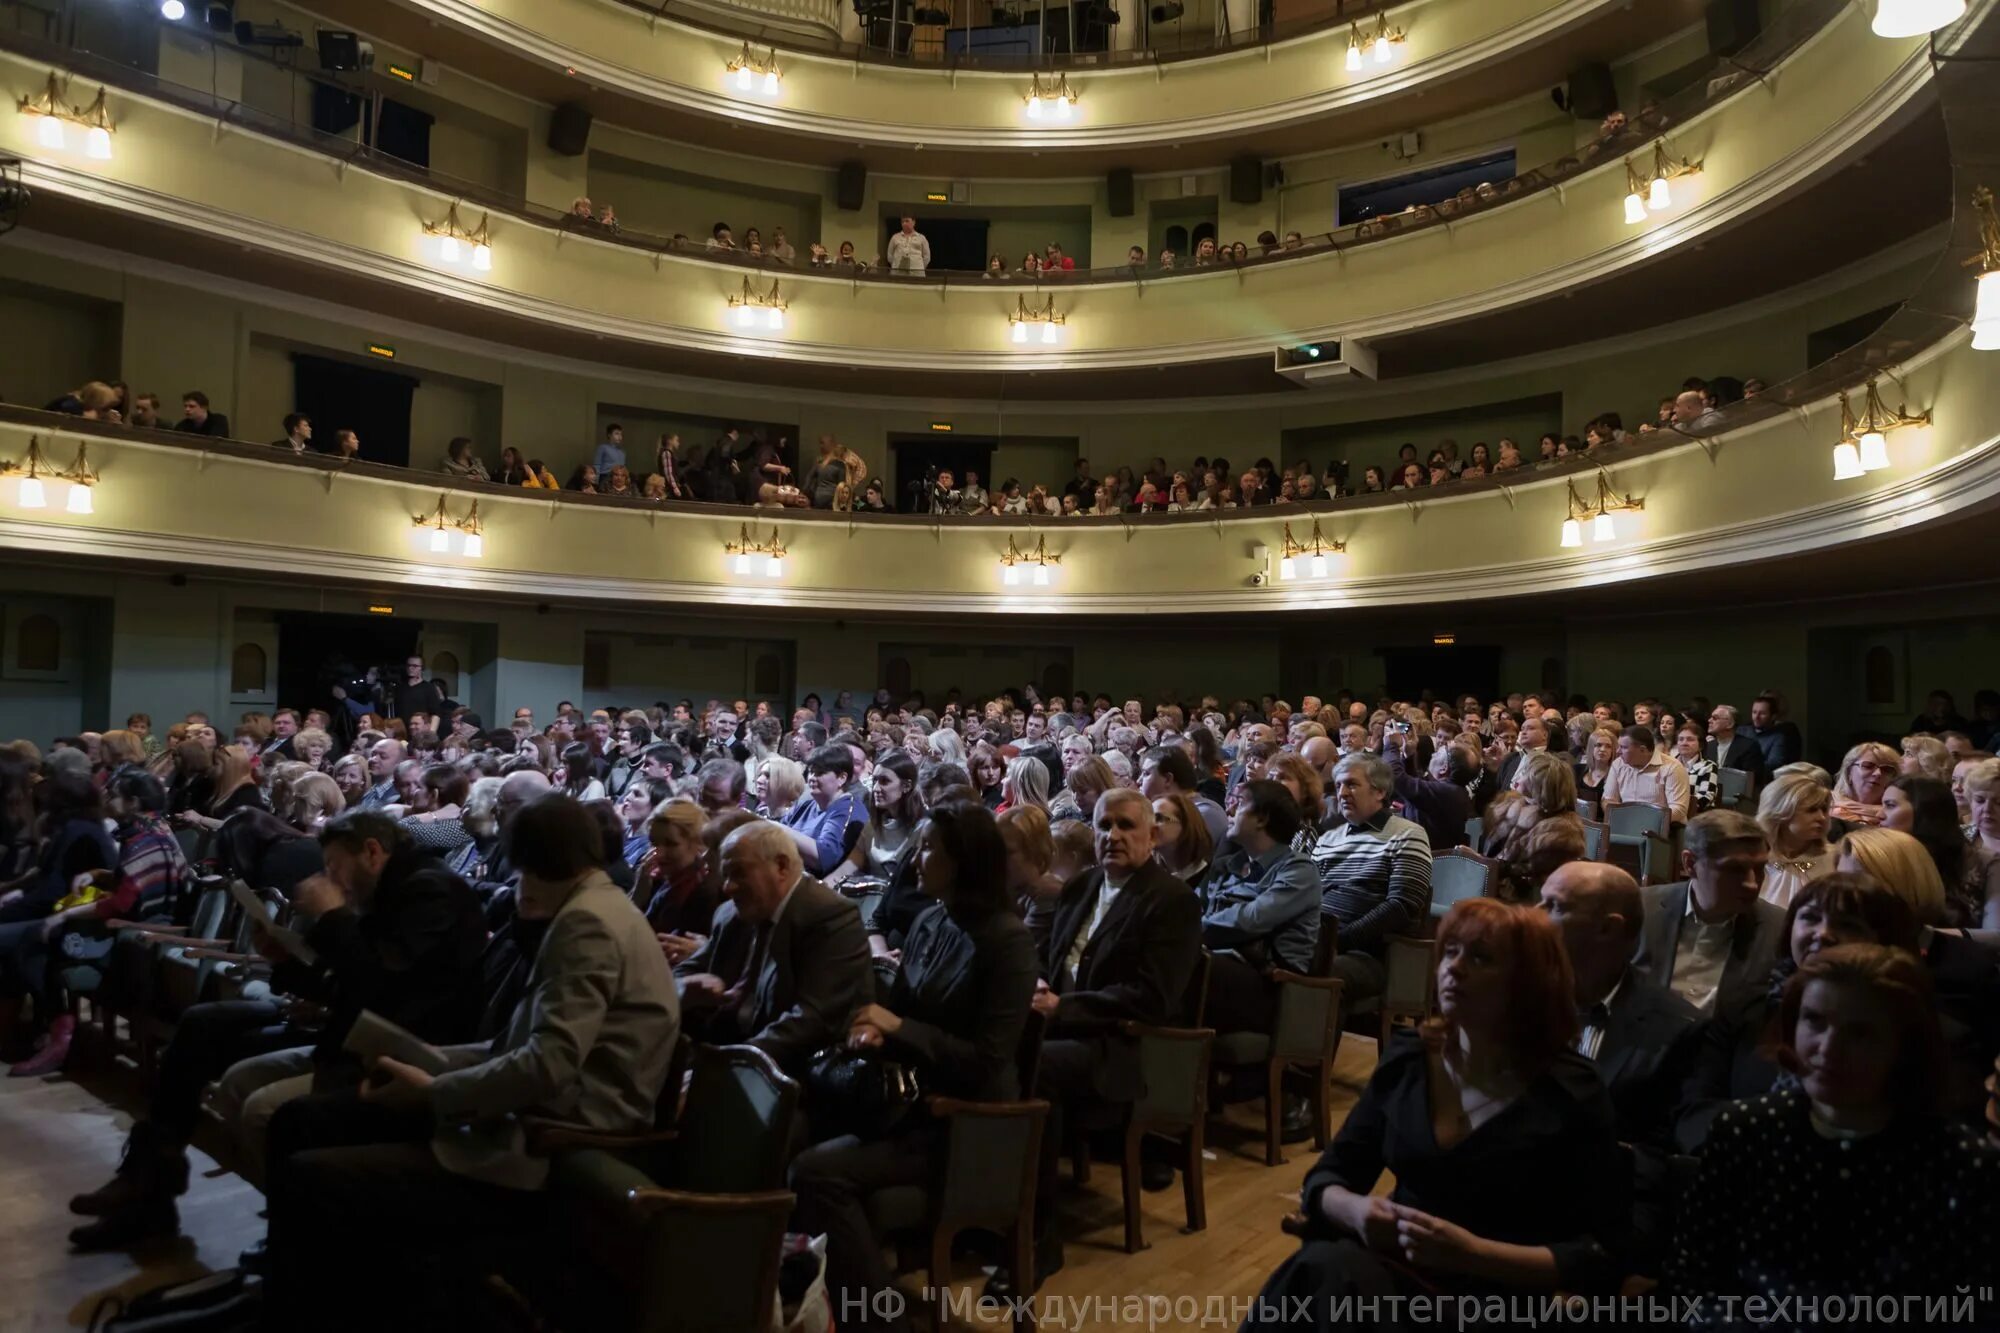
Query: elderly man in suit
[(399, 1226), (1727, 747), (1122, 946), (1711, 934), (787, 961)]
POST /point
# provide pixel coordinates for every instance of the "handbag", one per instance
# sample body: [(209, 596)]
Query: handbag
[(859, 1092)]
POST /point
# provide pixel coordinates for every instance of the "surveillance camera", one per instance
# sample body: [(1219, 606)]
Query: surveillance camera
[(1259, 579)]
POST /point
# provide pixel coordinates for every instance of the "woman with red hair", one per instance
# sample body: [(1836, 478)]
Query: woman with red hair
[(1508, 1172), (1851, 1182)]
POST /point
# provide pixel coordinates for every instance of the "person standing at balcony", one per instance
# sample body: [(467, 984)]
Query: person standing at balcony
[(611, 453), (909, 252), (196, 419), (781, 249)]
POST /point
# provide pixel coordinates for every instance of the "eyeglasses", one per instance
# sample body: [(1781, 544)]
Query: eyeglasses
[(1867, 767)]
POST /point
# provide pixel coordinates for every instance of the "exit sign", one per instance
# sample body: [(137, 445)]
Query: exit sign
[(941, 427), (937, 197)]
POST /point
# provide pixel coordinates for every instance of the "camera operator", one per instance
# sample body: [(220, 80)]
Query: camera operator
[(936, 494)]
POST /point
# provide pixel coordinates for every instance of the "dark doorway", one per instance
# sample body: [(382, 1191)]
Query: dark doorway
[(1447, 671), (958, 244), (317, 651), (374, 404), (916, 455), (405, 132), (1429, 185)]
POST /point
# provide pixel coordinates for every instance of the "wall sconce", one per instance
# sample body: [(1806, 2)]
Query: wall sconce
[(1314, 551), (1986, 303), (53, 116), (748, 74), (749, 310), (1603, 526), (1650, 192), (1381, 44), (454, 243), (742, 549), (1057, 100), (1864, 444), (1914, 18), (440, 526), (33, 492), (1013, 558), (1046, 315)]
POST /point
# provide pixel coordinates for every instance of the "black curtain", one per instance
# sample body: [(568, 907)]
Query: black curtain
[(405, 132), (917, 454), (374, 404), (1448, 671)]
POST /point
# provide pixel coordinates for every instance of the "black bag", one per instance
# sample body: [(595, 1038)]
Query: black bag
[(858, 1092)]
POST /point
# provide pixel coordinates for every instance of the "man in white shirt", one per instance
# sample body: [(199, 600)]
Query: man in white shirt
[(909, 253), (1642, 775)]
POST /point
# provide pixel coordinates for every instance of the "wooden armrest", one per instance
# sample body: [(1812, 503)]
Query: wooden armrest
[(1132, 1029), (654, 1200), (545, 1139), (1284, 978), (944, 1107), (151, 928), (198, 944), (223, 956)]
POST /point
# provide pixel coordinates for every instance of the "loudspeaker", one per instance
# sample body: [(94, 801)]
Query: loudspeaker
[(569, 129), (1731, 25), (339, 51), (1246, 180), (1592, 95), (850, 187), (1118, 192)]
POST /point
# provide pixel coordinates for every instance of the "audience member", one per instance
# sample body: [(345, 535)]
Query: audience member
[(1711, 934)]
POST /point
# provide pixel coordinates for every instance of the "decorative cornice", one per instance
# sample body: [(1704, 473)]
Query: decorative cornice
[(820, 122), (1828, 149)]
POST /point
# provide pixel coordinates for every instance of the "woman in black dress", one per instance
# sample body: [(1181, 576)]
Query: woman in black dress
[(954, 1014), (1852, 1184), (1509, 1177)]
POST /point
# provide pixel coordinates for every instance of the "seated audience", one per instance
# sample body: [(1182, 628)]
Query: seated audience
[(1509, 1176), (1260, 910), (1794, 812), (1642, 775), (424, 1180)]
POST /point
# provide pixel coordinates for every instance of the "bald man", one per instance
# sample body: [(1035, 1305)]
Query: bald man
[(1643, 1037)]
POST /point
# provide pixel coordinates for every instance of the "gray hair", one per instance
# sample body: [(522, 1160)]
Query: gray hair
[(1369, 768), (481, 816)]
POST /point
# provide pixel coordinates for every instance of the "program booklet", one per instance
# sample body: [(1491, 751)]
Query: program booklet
[(289, 940), (373, 1035)]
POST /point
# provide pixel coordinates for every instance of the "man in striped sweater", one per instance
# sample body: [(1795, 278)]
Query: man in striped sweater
[(1374, 872)]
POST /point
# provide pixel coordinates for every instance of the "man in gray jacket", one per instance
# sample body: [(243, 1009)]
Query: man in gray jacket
[(393, 1227)]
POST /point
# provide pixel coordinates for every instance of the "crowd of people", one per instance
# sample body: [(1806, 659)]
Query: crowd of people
[(1713, 1082), (754, 465)]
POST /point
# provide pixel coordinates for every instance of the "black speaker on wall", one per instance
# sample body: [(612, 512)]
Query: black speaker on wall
[(569, 129), (850, 187), (1118, 192), (1246, 180), (1592, 94), (1731, 25)]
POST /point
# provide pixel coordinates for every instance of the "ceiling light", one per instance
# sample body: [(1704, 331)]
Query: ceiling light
[(1039, 560), (1058, 98), (1044, 314), (1314, 551), (1657, 196), (1354, 52), (1846, 461), (750, 73), (743, 308), (1914, 18), (1864, 442), (744, 548), (173, 11), (455, 243), (1986, 290), (31, 493), (1572, 533)]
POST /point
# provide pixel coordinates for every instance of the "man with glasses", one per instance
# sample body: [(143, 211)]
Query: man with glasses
[(631, 740), (417, 695)]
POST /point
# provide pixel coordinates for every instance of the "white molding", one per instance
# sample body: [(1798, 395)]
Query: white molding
[(470, 17), (1826, 151)]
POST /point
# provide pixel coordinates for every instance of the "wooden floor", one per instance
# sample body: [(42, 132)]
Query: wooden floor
[(61, 1136)]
